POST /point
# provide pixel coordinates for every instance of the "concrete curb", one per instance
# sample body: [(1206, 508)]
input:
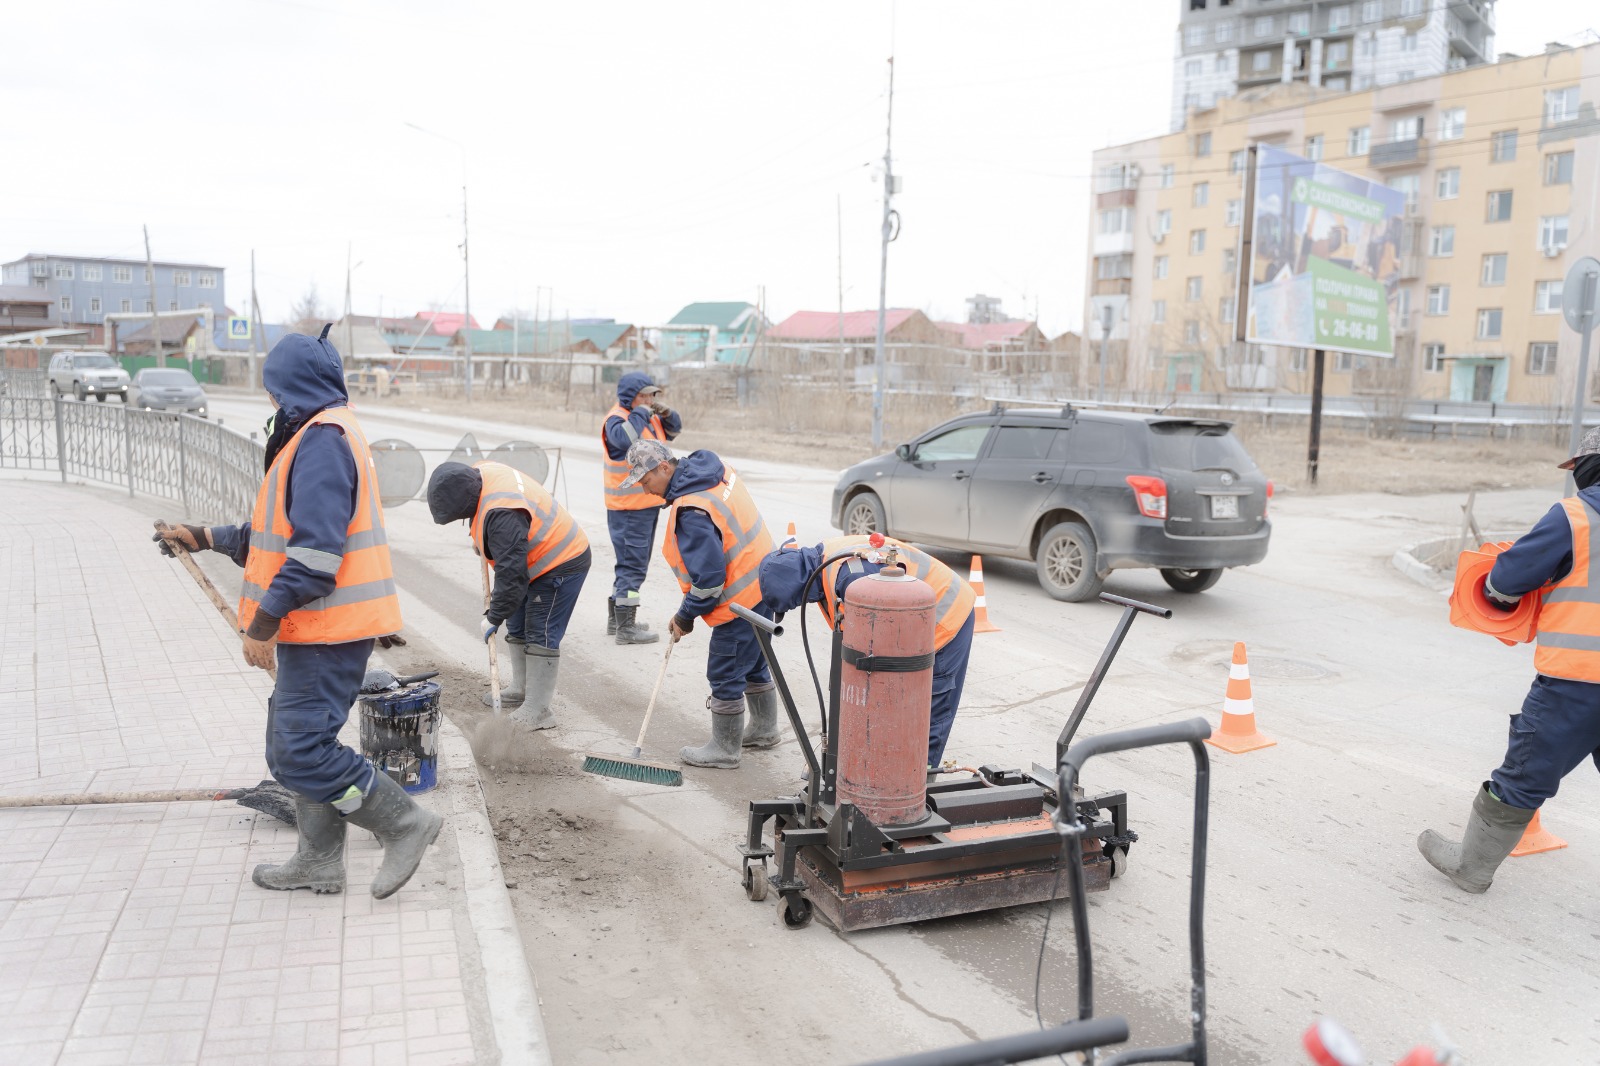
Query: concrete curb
[(1408, 560), (508, 979)]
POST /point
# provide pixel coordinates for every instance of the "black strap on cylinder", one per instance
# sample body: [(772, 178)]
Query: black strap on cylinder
[(885, 664)]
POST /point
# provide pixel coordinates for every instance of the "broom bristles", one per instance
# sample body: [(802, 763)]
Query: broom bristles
[(632, 770)]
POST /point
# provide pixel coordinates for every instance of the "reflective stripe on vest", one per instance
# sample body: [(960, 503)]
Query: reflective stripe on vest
[(953, 597), (553, 537), (1568, 643), (364, 602), (745, 542), (632, 498)]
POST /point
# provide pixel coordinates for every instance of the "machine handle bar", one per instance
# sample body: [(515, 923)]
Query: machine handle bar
[(766, 625), (1138, 605), (1023, 1047), (1144, 737)]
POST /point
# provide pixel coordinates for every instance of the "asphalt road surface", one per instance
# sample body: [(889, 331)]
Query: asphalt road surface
[(1386, 720)]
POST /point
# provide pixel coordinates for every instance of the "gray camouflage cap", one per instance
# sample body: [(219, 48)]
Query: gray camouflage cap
[(646, 454), (1589, 445)]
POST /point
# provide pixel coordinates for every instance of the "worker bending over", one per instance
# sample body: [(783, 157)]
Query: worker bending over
[(786, 584), (714, 544), (540, 559), (631, 512), (318, 589), (1558, 560)]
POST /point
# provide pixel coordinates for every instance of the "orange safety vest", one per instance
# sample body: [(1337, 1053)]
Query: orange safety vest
[(1569, 619), (632, 498), (745, 542), (553, 537), (953, 597), (364, 602)]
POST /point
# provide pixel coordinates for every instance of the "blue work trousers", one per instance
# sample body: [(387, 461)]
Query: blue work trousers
[(547, 608), (949, 677), (1558, 728), (734, 661), (317, 686), (633, 534)]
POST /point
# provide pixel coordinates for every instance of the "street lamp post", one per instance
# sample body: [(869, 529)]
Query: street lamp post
[(466, 258)]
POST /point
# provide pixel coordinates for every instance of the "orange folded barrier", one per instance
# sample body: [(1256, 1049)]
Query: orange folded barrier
[(1471, 609)]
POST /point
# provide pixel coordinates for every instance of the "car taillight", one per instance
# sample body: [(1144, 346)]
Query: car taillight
[(1269, 500), (1151, 495)]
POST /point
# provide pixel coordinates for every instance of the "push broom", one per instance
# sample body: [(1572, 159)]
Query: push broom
[(634, 768)]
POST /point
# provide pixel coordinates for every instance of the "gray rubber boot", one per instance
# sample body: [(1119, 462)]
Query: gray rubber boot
[(512, 694), (404, 829), (722, 751), (541, 665), (761, 729), (318, 864), (629, 632), (1493, 829), (611, 617)]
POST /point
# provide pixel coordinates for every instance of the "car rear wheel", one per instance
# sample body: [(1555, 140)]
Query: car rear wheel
[(864, 515), (1191, 580), (1066, 562)]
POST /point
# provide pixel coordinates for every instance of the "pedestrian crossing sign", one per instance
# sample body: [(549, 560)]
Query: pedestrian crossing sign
[(238, 329)]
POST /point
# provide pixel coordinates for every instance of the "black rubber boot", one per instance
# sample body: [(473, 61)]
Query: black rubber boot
[(1493, 829), (761, 728), (540, 666), (513, 693), (611, 617), (722, 751), (404, 829), (628, 632), (318, 863)]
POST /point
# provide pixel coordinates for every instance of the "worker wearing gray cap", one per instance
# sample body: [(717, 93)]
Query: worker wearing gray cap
[(1559, 727)]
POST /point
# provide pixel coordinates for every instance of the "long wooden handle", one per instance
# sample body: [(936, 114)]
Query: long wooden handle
[(494, 657), (650, 708), (181, 553)]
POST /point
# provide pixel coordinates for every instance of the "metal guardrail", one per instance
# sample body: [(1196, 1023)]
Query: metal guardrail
[(211, 470)]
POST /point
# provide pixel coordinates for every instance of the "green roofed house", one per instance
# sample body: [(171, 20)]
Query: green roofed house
[(581, 336), (712, 333)]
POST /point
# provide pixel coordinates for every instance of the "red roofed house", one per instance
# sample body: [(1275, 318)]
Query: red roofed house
[(917, 349), (900, 326), (446, 323)]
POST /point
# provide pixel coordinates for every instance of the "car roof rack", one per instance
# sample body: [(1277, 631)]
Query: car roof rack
[(1065, 408)]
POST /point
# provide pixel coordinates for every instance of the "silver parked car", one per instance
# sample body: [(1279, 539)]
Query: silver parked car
[(86, 374), (158, 388)]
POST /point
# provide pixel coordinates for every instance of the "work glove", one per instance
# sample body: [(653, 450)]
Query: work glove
[(393, 640), (194, 538), (488, 629), (680, 626), (660, 410)]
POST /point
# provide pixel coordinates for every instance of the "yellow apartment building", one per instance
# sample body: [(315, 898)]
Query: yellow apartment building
[(1500, 165)]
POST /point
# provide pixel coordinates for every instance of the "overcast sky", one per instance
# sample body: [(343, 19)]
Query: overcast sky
[(627, 158)]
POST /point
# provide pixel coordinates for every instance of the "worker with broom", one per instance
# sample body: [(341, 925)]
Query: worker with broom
[(318, 590), (631, 512), (540, 559), (1559, 725), (790, 579), (714, 544)]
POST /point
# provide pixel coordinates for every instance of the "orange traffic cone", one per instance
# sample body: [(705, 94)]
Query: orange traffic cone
[(1536, 838), (1238, 733), (789, 540), (981, 608)]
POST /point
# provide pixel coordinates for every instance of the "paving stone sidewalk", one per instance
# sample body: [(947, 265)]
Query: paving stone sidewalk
[(132, 933)]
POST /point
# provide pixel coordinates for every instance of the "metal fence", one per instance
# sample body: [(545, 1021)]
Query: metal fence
[(211, 470)]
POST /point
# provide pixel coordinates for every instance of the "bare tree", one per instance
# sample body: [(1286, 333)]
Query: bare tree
[(308, 314)]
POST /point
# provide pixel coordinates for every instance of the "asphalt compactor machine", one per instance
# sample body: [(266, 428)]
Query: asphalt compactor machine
[(876, 838)]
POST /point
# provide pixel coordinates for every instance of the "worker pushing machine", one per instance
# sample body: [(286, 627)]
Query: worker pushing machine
[(790, 579), (318, 590), (632, 512), (1559, 726), (541, 558), (715, 542)]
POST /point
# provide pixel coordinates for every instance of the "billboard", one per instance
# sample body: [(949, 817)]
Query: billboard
[(1324, 257)]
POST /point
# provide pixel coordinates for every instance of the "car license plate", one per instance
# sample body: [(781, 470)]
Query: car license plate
[(1224, 507)]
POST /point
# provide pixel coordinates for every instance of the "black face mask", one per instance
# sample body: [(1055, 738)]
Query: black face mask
[(1586, 471), (279, 432)]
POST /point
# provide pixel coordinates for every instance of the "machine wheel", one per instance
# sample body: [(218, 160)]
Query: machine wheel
[(756, 883), (796, 911), (1191, 580), (1066, 562), (1119, 861), (864, 515)]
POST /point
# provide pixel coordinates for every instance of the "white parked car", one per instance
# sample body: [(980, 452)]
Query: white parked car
[(86, 374)]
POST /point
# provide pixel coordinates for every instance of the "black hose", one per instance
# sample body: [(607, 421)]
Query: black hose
[(805, 637)]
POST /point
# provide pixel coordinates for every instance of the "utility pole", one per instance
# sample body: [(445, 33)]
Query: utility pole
[(155, 323), (1106, 316), (256, 328), (466, 276), (349, 343), (889, 225), (838, 218)]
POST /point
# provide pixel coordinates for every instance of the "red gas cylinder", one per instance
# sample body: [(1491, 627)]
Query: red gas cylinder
[(885, 695)]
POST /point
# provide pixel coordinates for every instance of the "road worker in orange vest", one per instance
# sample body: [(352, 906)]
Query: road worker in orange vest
[(1557, 560), (540, 559), (631, 512), (714, 544), (318, 592), (789, 579)]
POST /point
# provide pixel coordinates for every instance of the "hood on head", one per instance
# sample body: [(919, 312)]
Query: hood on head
[(783, 576), (696, 471), (629, 386), (453, 492), (304, 374)]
